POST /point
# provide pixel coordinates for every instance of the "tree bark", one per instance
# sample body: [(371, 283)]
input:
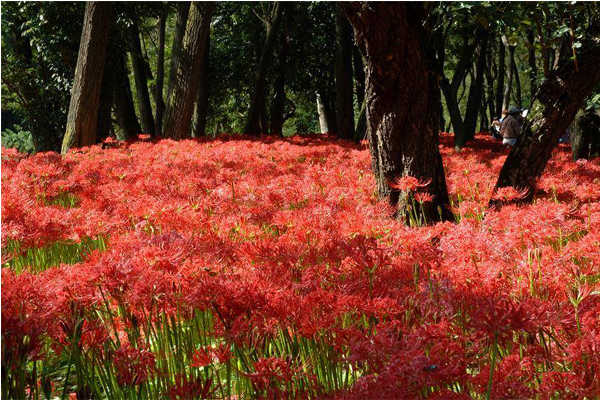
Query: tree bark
[(201, 104), (279, 99), (141, 79), (532, 64), (183, 10), (85, 95), (253, 122), (509, 81), (344, 107), (517, 95), (359, 75), (123, 99), (106, 94), (584, 130), (180, 105), (402, 127), (501, 75), (558, 99), (475, 94), (323, 126), (160, 72)]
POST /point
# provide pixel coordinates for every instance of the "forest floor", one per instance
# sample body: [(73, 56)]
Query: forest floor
[(269, 268)]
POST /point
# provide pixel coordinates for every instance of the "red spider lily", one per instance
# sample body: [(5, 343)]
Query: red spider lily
[(408, 183), (201, 358), (133, 365)]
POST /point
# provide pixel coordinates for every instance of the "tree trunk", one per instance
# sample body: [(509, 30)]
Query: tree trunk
[(361, 124), (490, 88), (256, 117), (279, 99), (501, 75), (160, 72), (359, 75), (180, 105), (558, 99), (508, 88), (201, 104), (475, 93), (323, 126), (402, 127), (106, 94), (532, 64), (141, 79), (123, 99), (344, 106), (517, 94), (584, 130), (183, 10), (85, 95)]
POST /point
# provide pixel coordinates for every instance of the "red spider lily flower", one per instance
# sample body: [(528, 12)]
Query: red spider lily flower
[(423, 197), (185, 388), (222, 353), (201, 358), (408, 183), (509, 193), (133, 365)]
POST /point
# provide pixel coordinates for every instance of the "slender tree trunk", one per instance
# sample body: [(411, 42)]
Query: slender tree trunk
[(490, 88), (585, 128), (403, 128), (201, 104), (160, 72), (518, 97), (545, 58), (279, 99), (106, 94), (532, 64), (344, 107), (558, 99), (509, 81), (180, 108), (361, 124), (141, 79), (85, 95), (255, 120), (501, 75), (123, 99), (183, 10), (359, 75), (323, 126), (483, 119), (475, 94)]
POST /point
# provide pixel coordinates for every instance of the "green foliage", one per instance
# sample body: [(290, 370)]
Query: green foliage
[(18, 138)]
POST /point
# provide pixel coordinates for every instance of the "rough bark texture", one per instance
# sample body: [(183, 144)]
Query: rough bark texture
[(279, 98), (106, 94), (501, 75), (180, 105), (359, 75), (253, 122), (141, 80), (160, 73), (509, 79), (85, 95), (532, 63), (321, 110), (558, 99), (123, 99), (402, 127), (344, 105), (517, 93), (201, 104), (183, 10), (585, 134)]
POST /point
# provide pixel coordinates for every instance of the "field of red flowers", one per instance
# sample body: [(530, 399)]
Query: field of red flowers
[(249, 268)]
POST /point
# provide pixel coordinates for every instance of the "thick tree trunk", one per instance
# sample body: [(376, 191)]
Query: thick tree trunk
[(256, 115), (183, 10), (584, 131), (85, 95), (160, 73), (361, 124), (501, 75), (532, 64), (402, 127), (279, 99), (141, 79), (475, 93), (509, 80), (123, 99), (201, 104), (344, 107), (180, 105), (558, 99)]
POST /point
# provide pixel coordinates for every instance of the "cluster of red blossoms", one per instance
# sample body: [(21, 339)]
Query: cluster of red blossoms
[(270, 268)]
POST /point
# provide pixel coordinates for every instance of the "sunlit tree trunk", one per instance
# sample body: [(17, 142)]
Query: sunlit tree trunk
[(85, 95), (403, 128), (141, 80), (201, 104), (511, 70), (123, 99), (180, 105), (183, 10), (160, 72)]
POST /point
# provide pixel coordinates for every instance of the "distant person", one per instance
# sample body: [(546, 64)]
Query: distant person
[(510, 128), (495, 129)]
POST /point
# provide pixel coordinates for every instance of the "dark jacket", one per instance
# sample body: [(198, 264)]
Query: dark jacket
[(510, 127)]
